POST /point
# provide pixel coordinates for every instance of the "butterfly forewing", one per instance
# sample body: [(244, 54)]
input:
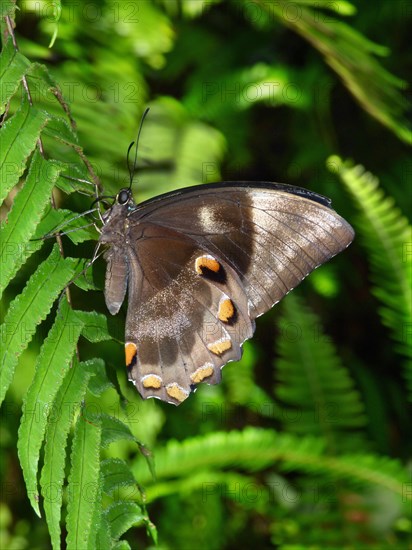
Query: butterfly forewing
[(273, 238), (200, 265)]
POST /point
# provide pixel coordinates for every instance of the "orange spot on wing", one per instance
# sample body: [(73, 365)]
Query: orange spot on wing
[(220, 346), (206, 262), (226, 310), (152, 381), (201, 373), (130, 351), (177, 392)]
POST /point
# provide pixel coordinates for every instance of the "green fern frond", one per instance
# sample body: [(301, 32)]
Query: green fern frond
[(7, 8), (58, 435), (24, 217), (183, 147), (316, 392), (88, 521), (52, 364), (29, 309), (122, 516), (257, 449), (387, 238), (350, 55), (13, 66), (116, 474), (60, 381), (65, 406), (209, 481), (84, 482), (19, 136)]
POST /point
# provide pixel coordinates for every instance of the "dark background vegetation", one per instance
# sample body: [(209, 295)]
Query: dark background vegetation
[(238, 93)]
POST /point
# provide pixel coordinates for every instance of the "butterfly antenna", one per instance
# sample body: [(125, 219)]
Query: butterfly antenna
[(132, 169)]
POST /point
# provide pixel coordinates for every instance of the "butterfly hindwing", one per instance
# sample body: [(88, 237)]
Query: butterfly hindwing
[(187, 315)]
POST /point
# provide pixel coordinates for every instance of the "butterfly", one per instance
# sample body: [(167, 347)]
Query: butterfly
[(199, 265)]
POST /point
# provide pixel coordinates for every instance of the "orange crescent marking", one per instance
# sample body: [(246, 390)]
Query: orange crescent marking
[(226, 310), (177, 392), (205, 262), (201, 373), (219, 347), (152, 381), (130, 351)]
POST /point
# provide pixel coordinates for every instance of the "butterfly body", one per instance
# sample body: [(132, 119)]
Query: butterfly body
[(200, 264)]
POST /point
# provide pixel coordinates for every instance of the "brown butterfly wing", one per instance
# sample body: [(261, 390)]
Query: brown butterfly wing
[(271, 236), (184, 321), (201, 264)]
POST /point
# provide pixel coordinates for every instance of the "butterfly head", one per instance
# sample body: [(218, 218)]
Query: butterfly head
[(114, 218), (124, 197)]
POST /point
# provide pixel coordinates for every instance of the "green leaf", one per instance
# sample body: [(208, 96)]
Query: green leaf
[(103, 537), (185, 139), (304, 454), (19, 136), (97, 520), (113, 430), (13, 66), (51, 366), (48, 87), (258, 83), (387, 237), (100, 382), (66, 404), (84, 483), (223, 450), (122, 545), (116, 473), (95, 326), (28, 207), (57, 10), (7, 7), (248, 393), (29, 309), (352, 57), (341, 7), (58, 129), (78, 230), (316, 391), (76, 180), (122, 516)]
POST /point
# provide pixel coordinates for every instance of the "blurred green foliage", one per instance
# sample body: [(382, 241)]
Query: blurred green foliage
[(305, 442)]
